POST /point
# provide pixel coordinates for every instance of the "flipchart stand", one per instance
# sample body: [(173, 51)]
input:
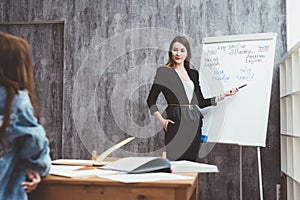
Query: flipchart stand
[(259, 173), (231, 61)]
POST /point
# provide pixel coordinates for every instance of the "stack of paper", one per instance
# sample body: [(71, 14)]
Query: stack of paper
[(189, 166)]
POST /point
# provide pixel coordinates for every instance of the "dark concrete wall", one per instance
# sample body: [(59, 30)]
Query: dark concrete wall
[(109, 50)]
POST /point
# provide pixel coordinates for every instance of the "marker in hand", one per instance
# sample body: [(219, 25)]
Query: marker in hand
[(234, 90)]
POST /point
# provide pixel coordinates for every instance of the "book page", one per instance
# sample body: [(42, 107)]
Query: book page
[(98, 162), (112, 149)]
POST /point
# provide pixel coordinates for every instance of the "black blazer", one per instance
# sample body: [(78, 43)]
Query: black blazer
[(169, 83)]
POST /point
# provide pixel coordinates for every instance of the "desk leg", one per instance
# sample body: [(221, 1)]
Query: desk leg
[(187, 194), (195, 193), (192, 194)]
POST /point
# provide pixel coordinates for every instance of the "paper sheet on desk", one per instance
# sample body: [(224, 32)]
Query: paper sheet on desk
[(77, 162), (144, 177), (63, 168), (73, 172)]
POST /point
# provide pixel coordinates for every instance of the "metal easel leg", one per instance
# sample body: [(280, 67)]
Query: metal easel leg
[(241, 173), (259, 174)]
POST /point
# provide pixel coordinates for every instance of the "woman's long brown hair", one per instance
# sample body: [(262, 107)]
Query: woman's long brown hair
[(16, 74), (182, 40)]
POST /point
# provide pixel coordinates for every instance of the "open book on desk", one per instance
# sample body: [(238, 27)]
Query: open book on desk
[(99, 160), (135, 165)]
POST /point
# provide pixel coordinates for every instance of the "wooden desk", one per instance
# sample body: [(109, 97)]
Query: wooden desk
[(56, 188)]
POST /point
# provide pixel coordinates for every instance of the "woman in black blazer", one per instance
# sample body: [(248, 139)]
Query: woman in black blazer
[(182, 119)]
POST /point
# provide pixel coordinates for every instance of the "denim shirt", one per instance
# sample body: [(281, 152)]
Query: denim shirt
[(26, 147)]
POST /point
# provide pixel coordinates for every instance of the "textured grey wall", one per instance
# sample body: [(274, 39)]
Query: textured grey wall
[(111, 50), (48, 74)]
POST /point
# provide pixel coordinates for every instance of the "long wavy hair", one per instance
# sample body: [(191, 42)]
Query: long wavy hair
[(182, 40), (16, 74)]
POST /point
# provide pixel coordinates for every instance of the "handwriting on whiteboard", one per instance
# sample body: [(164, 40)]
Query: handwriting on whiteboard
[(245, 73), (219, 57)]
